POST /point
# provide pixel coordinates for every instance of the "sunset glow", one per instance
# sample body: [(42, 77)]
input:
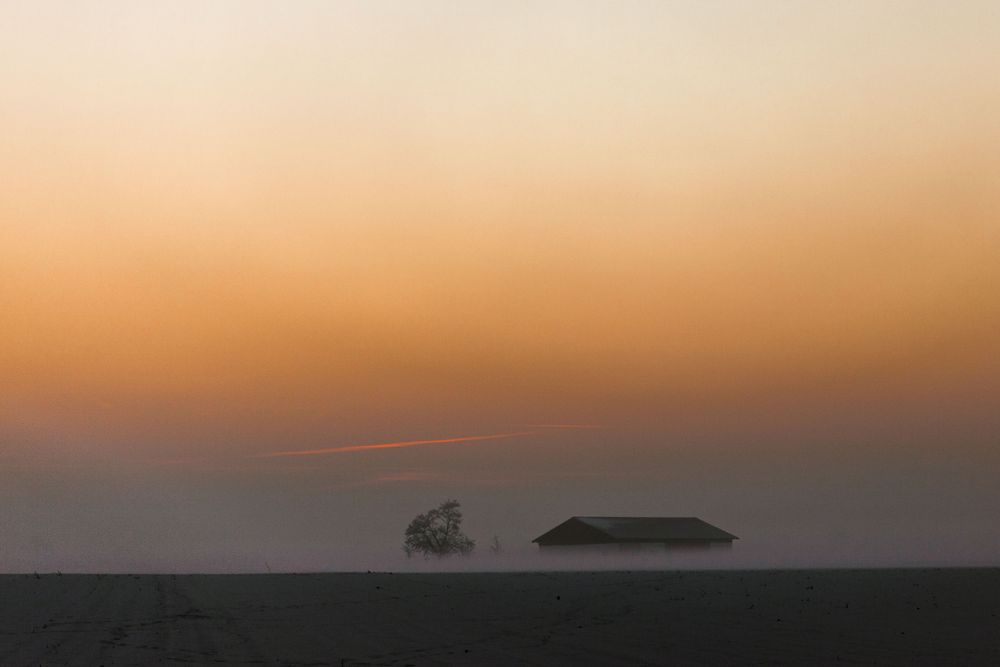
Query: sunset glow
[(677, 256)]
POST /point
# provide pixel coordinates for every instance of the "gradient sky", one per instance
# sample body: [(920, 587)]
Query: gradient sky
[(275, 276)]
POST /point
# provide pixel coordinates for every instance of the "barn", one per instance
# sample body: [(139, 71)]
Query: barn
[(633, 533)]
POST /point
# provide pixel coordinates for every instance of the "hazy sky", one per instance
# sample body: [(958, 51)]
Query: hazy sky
[(754, 247)]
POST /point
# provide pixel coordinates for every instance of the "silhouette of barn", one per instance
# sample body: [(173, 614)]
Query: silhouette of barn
[(634, 533)]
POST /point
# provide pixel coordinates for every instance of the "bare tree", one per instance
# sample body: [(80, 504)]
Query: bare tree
[(495, 547), (438, 533)]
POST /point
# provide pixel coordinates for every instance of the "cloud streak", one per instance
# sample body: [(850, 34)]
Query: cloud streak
[(395, 445)]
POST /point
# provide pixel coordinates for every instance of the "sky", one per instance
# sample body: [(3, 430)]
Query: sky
[(276, 276)]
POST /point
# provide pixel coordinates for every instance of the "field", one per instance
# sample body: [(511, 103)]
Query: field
[(808, 617)]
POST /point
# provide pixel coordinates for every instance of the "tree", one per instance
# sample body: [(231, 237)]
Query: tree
[(438, 533)]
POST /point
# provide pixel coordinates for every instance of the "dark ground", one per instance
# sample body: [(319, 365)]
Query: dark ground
[(805, 617)]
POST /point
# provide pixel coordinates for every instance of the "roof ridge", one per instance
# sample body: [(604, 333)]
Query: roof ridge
[(607, 516)]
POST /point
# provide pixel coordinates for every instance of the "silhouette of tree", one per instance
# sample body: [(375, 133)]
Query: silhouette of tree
[(438, 533), (495, 547)]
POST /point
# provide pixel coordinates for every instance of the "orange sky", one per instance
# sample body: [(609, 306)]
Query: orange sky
[(245, 227)]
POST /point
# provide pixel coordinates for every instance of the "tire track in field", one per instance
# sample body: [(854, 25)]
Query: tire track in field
[(220, 636)]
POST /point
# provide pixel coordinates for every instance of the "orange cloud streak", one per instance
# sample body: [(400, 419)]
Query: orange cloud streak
[(395, 445)]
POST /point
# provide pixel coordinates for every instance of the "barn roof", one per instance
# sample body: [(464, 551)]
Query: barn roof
[(605, 529)]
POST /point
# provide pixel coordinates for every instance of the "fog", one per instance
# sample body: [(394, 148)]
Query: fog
[(848, 507)]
